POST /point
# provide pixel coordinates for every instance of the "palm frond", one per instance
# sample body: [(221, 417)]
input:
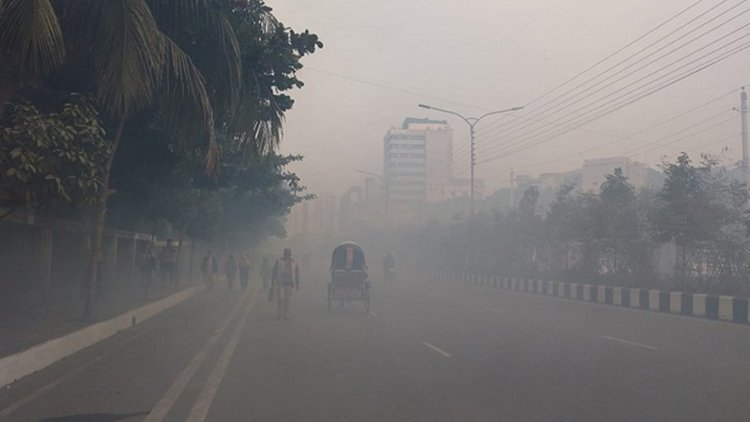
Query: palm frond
[(222, 66), (257, 121), (128, 52), (185, 102), (30, 37), (255, 133)]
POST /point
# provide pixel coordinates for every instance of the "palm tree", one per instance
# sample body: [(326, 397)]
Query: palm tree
[(133, 64), (31, 44), (181, 58)]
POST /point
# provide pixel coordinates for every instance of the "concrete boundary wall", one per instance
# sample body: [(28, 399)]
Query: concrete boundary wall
[(700, 305), (21, 364)]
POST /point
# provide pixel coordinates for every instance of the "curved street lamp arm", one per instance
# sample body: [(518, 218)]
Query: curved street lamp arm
[(442, 110), (471, 121), (498, 112)]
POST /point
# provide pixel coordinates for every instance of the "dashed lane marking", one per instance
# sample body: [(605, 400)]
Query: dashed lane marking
[(437, 350), (630, 343)]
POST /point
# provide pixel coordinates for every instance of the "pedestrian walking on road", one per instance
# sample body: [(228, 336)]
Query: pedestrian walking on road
[(230, 271), (209, 270), (284, 280), (244, 272)]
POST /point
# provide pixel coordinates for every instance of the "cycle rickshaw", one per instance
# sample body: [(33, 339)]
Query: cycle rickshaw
[(349, 280)]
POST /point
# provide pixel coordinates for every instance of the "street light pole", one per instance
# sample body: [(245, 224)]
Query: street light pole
[(472, 122)]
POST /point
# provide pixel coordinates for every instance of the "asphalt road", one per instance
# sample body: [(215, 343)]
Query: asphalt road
[(427, 352)]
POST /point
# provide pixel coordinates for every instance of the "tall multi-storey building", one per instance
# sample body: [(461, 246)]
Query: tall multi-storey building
[(418, 161)]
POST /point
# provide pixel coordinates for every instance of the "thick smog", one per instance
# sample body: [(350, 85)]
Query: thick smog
[(347, 210)]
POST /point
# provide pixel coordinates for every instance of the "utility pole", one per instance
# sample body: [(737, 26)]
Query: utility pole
[(473, 163), (471, 122), (743, 113), (512, 189)]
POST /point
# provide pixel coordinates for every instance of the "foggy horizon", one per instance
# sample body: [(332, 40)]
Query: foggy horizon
[(374, 211), (381, 60)]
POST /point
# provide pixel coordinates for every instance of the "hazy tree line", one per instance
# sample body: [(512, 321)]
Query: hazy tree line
[(697, 224), (134, 113)]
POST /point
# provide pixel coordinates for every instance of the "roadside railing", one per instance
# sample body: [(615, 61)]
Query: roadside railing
[(717, 307)]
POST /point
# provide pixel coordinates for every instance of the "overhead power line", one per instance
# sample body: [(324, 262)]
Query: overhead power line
[(699, 147), (540, 109), (593, 115), (551, 108), (633, 134), (630, 153), (621, 49), (641, 79)]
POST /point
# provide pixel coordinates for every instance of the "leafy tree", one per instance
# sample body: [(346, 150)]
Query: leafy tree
[(51, 160), (182, 62), (688, 210), (620, 225), (560, 223), (528, 231)]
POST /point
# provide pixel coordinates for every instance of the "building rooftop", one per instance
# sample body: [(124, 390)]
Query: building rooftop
[(414, 120)]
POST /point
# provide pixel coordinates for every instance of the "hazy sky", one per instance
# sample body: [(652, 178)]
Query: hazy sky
[(382, 58)]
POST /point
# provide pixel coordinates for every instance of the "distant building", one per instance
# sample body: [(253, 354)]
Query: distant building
[(594, 172), (317, 216), (374, 212), (418, 161), (351, 211), (461, 188), (417, 167), (323, 219)]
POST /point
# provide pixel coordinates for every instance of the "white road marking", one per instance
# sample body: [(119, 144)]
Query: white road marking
[(373, 314), (437, 350), (495, 310), (206, 398), (163, 406), (631, 343), (38, 393)]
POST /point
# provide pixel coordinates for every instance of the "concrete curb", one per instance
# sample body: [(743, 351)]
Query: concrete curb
[(699, 305), (21, 364)]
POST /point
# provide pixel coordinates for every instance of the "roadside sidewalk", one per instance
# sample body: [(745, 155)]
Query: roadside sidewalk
[(21, 331), (42, 354)]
